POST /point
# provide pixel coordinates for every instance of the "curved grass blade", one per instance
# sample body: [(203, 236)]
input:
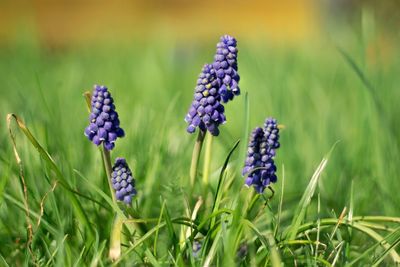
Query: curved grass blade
[(180, 220), (77, 207), (108, 199), (373, 92), (382, 256), (213, 250), (382, 241), (218, 193), (268, 242), (174, 239), (20, 205), (306, 198), (394, 234)]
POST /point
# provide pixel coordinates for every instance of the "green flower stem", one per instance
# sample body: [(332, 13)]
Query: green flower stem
[(196, 156), (115, 238), (207, 160), (105, 154)]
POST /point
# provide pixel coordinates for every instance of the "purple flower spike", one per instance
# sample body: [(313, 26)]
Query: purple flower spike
[(226, 67), (272, 133), (260, 168), (104, 123), (123, 181), (206, 111)]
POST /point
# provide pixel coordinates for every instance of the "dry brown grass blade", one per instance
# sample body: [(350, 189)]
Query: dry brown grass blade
[(24, 187), (59, 178)]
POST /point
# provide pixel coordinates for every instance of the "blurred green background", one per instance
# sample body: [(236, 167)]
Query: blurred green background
[(149, 54)]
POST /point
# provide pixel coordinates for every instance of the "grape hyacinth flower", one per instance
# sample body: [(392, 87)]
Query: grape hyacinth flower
[(206, 111), (104, 123), (123, 181), (259, 166), (226, 67), (272, 133)]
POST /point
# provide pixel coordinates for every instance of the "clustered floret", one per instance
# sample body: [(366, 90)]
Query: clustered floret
[(206, 111), (123, 181), (226, 67), (259, 167), (218, 82), (104, 123), (272, 133)]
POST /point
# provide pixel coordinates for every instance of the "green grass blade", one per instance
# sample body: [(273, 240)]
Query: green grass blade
[(3, 261), (305, 200), (106, 197), (388, 250), (268, 242), (359, 227), (213, 250), (159, 221), (77, 207), (174, 239), (44, 222), (381, 242), (218, 193)]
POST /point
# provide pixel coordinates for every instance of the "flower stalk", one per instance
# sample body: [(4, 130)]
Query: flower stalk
[(207, 160), (196, 156), (115, 237), (105, 155)]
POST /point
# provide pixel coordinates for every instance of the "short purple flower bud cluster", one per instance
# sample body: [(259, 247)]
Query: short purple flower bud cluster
[(104, 123), (123, 181), (206, 111), (259, 167), (272, 134), (226, 67)]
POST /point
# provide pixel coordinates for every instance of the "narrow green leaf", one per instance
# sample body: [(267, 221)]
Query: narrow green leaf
[(268, 242), (218, 194), (382, 256), (151, 258), (77, 207), (174, 239), (300, 212)]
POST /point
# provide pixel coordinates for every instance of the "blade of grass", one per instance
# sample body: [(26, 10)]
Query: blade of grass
[(20, 205), (368, 252), (174, 239), (159, 221), (368, 231), (280, 202), (382, 256), (306, 198), (218, 193), (268, 242), (77, 207), (180, 220), (213, 250), (77, 262), (373, 92), (151, 258), (112, 204)]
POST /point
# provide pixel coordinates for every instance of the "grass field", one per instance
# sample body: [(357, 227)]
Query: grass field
[(320, 95)]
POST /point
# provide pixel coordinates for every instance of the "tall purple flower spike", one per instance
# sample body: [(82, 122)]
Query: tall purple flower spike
[(226, 67), (123, 181), (206, 111), (104, 123), (259, 167)]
